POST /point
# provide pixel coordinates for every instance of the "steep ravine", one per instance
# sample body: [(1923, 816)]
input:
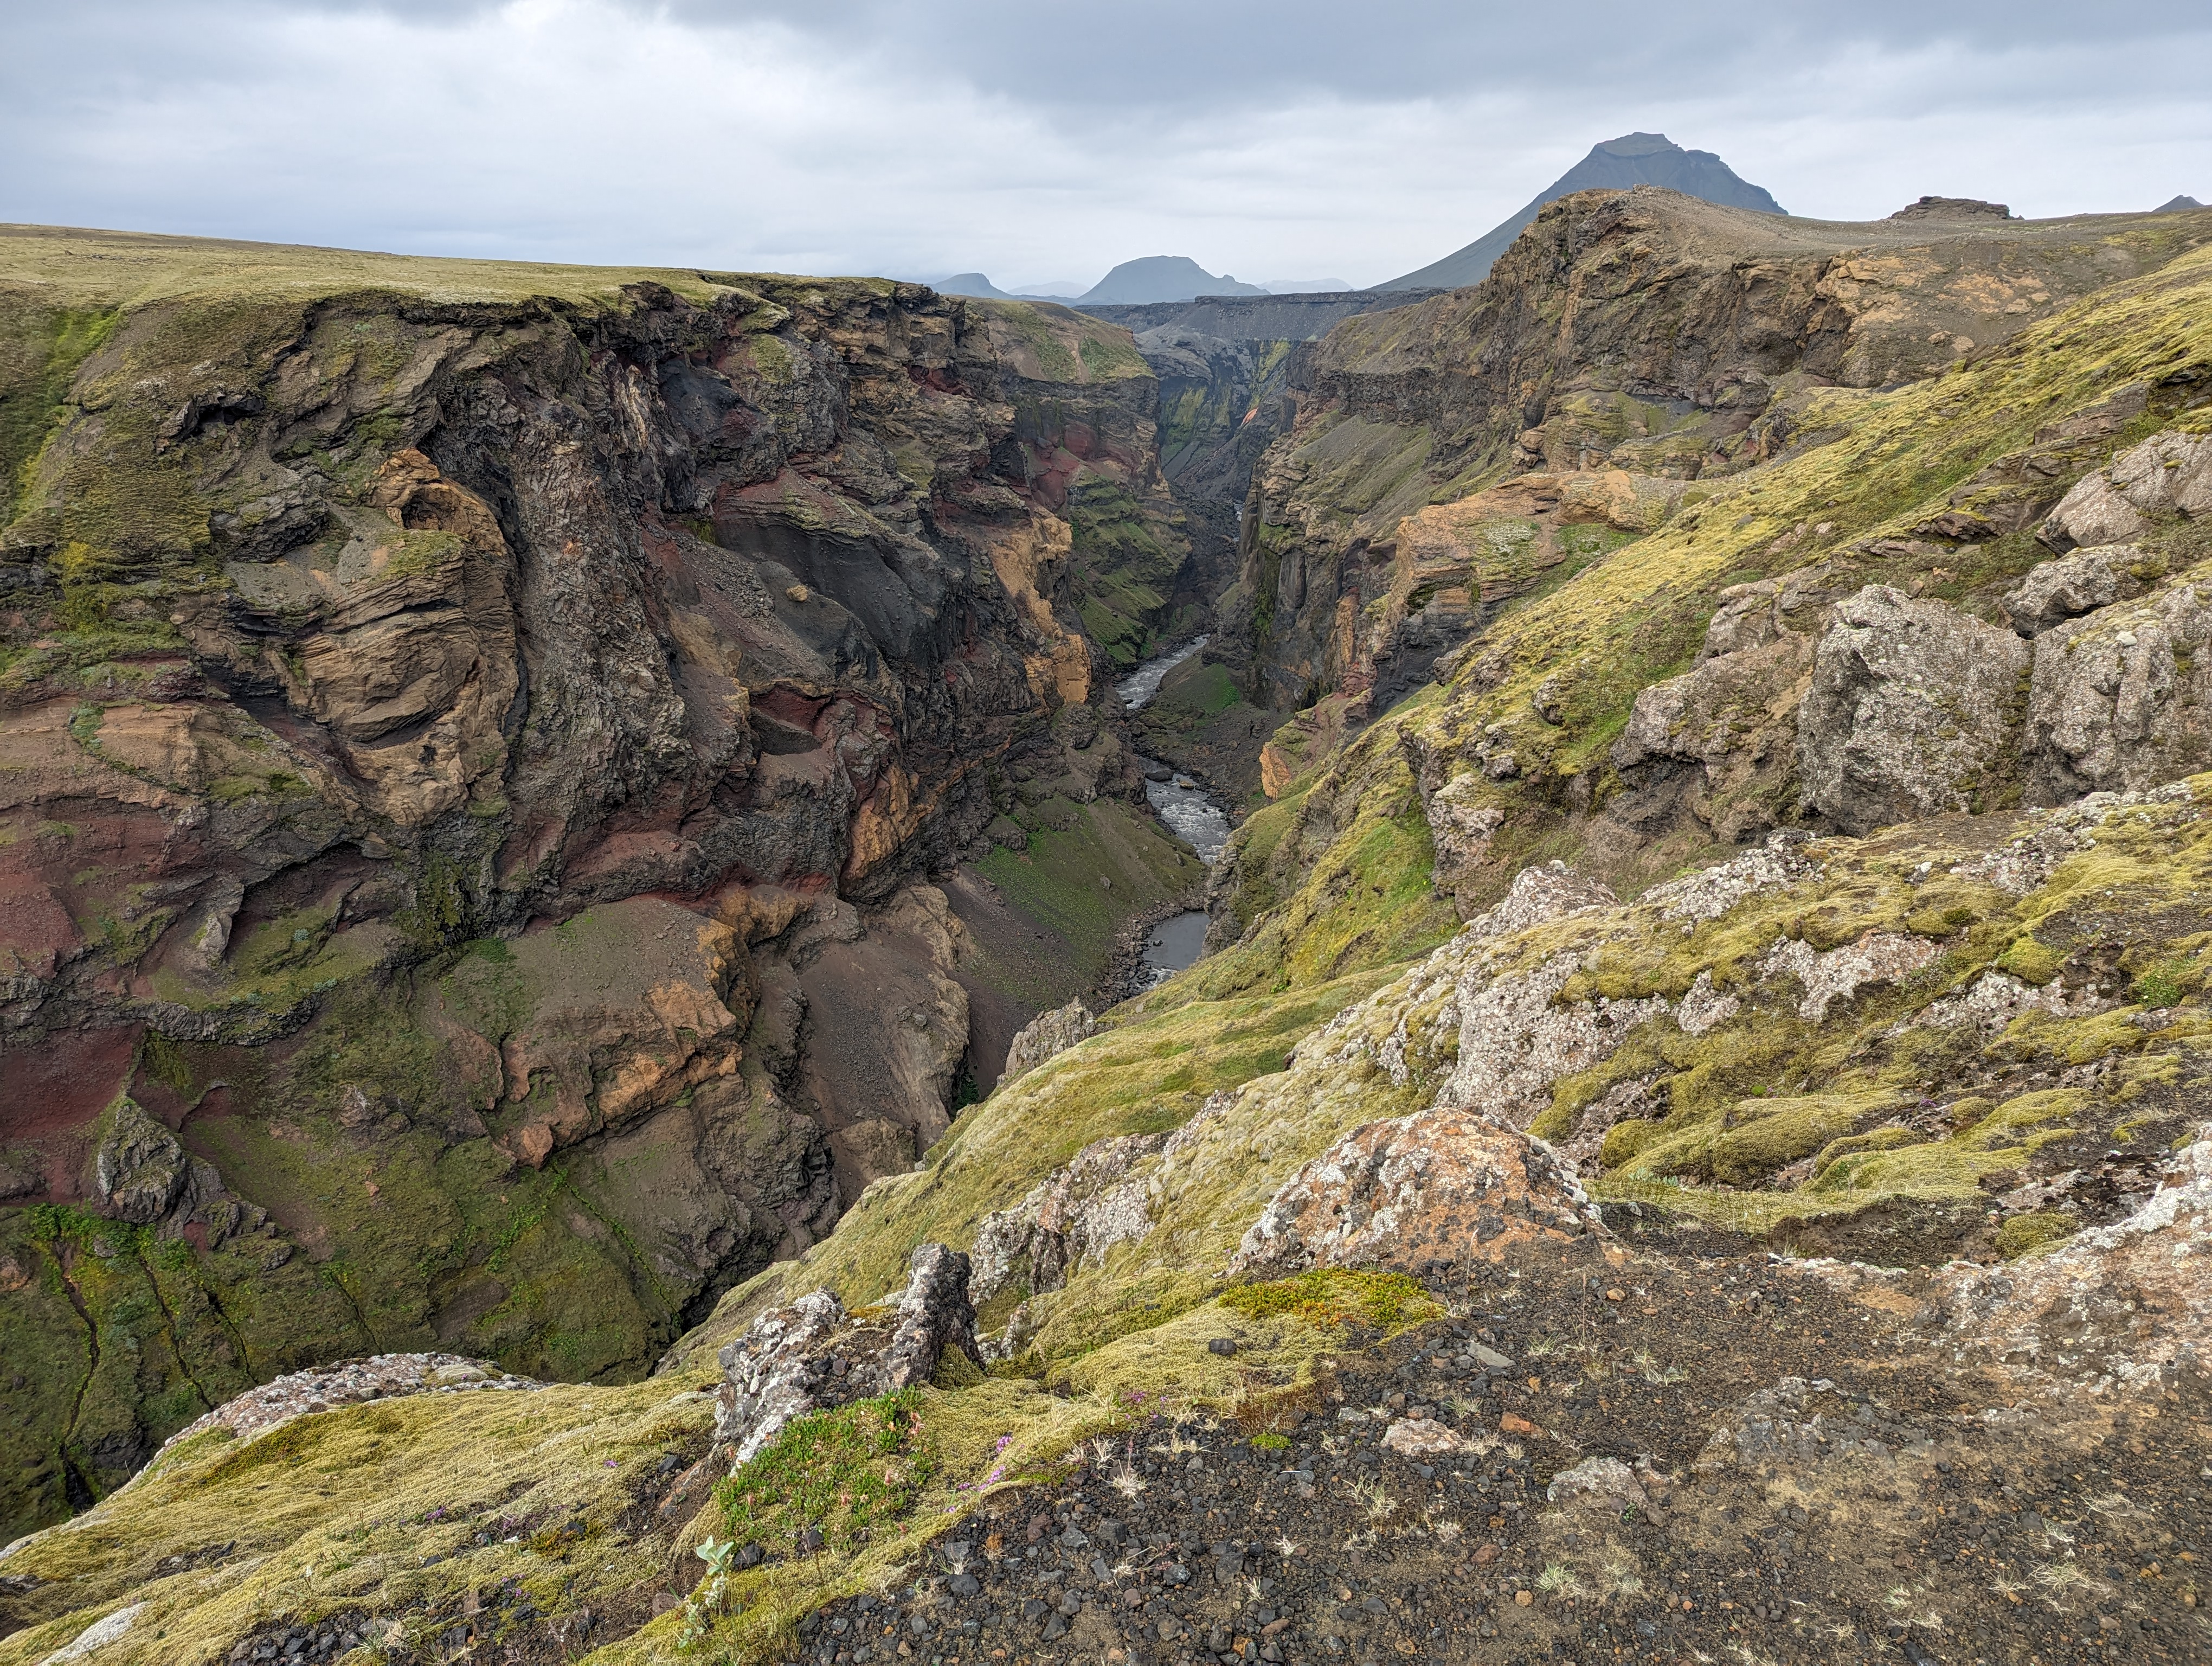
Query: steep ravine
[(1689, 1140), (1448, 459), (525, 790)]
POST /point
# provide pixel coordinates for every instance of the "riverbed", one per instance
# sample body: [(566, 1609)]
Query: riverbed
[(1189, 811), (1139, 687), (1175, 943)]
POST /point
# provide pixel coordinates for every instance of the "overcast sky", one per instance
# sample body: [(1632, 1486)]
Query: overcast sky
[(1357, 139)]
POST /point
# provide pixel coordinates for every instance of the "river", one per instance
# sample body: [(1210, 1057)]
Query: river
[(1190, 812)]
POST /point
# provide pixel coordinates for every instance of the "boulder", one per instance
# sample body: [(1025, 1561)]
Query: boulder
[(1432, 1193), (1460, 824), (1046, 1037), (1078, 1212), (2071, 586), (779, 1369), (1517, 1037), (1541, 893), (2169, 474), (140, 1170), (2119, 1306), (1422, 1439), (1604, 1484), (1911, 712), (2119, 698)]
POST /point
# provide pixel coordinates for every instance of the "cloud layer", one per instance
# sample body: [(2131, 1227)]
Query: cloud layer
[(925, 138)]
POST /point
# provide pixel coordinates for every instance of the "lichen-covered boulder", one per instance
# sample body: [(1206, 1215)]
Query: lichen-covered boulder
[(777, 1370), (1426, 1194), (2118, 700), (1078, 1211), (2073, 585), (811, 1355), (1913, 708), (2124, 1305), (1046, 1037), (2169, 474)]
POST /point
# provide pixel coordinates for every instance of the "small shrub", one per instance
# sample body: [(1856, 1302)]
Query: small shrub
[(843, 1472)]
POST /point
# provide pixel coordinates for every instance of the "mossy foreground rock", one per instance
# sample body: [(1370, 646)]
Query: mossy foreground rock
[(1423, 1194)]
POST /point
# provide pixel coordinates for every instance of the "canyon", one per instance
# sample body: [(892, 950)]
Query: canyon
[(583, 821)]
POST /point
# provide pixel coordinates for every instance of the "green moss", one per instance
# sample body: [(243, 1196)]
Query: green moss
[(2023, 1234), (1755, 1138), (1363, 899), (1882, 1138), (40, 351), (1337, 1295), (2030, 962), (1122, 570)]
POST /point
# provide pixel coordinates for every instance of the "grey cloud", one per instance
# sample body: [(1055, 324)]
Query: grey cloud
[(853, 135), (1153, 53)]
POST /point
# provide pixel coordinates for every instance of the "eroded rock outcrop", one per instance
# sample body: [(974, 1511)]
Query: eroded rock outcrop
[(350, 1382), (812, 1356), (2163, 477), (1631, 337), (1912, 710), (1426, 1193), (500, 697), (1077, 1214), (2124, 1307), (1048, 1036), (2118, 700)]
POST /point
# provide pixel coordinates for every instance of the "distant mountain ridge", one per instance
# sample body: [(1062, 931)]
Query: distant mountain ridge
[(1633, 159), (1152, 278)]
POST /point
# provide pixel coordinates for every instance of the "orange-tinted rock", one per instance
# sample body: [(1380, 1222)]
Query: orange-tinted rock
[(1421, 1194)]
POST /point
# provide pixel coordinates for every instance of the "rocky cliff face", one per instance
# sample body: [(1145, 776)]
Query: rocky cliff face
[(1690, 1131), (1222, 363), (1635, 334), (476, 744)]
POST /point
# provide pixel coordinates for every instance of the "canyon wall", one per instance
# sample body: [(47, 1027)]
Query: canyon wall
[(484, 752), (1630, 349)]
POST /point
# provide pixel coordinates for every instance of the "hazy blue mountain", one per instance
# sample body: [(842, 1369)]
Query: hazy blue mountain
[(1163, 277), (970, 283), (1633, 159), (1306, 286), (2177, 205)]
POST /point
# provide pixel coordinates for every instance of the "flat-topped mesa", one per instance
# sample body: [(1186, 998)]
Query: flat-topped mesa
[(1952, 207)]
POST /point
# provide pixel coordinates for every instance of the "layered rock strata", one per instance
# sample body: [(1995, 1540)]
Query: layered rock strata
[(475, 749)]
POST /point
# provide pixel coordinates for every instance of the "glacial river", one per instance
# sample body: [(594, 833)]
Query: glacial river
[(1191, 813)]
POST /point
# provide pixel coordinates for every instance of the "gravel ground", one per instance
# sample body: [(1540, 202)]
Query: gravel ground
[(1883, 1506)]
